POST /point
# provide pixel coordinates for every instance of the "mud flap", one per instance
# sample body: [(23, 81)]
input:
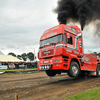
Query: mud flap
[(93, 73)]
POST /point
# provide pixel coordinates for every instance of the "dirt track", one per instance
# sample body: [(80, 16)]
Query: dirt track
[(38, 86)]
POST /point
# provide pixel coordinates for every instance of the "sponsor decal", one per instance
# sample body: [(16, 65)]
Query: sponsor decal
[(51, 34), (55, 28), (46, 31), (51, 29), (86, 68), (43, 37), (67, 28), (69, 50), (46, 52), (71, 46), (51, 47), (76, 52)]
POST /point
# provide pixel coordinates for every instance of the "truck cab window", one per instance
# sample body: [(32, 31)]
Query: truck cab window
[(65, 38), (70, 40), (54, 39)]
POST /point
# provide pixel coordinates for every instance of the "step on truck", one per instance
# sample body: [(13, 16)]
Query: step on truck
[(61, 50)]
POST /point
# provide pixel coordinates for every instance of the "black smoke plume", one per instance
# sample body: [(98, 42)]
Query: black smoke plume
[(82, 11)]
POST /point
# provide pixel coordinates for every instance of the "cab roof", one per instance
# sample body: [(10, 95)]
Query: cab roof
[(60, 29)]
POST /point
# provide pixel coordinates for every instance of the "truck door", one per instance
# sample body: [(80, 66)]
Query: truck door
[(71, 41)]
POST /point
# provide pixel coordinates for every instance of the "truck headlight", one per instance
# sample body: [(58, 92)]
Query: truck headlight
[(51, 61), (41, 62), (58, 60)]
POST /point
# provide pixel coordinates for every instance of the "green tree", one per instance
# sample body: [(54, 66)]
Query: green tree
[(11, 53), (30, 55), (19, 57), (99, 54), (24, 56), (95, 53)]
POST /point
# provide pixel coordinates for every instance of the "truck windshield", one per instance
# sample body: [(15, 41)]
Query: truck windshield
[(55, 39)]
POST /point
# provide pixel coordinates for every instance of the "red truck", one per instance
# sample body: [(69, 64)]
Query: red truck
[(61, 50)]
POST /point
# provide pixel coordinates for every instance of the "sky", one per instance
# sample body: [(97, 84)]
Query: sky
[(22, 22)]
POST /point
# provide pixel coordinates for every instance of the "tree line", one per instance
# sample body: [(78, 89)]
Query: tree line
[(98, 54), (23, 56), (30, 55)]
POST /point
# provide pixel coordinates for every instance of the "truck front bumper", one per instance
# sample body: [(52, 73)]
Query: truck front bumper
[(56, 63)]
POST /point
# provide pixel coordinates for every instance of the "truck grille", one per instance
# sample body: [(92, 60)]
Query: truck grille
[(47, 53)]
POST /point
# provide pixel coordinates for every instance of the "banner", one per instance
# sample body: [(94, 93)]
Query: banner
[(11, 66), (21, 66), (3, 67)]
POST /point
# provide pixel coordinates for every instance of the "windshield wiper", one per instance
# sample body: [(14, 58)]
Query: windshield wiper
[(53, 43), (46, 44), (41, 47)]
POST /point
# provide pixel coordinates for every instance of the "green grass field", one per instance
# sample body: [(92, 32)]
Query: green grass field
[(19, 69), (89, 95)]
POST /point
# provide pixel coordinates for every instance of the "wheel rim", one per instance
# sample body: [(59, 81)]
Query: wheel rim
[(74, 69), (98, 70)]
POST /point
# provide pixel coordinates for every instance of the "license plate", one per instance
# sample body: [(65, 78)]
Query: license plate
[(44, 67)]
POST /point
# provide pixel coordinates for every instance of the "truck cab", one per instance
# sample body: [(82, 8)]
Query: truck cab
[(61, 50)]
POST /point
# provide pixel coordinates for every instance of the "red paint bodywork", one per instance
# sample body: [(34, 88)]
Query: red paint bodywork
[(65, 52)]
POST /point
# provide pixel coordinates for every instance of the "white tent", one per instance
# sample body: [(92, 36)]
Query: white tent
[(1, 53), (9, 58)]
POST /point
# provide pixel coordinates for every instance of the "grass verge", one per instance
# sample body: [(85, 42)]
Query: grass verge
[(19, 69), (89, 95)]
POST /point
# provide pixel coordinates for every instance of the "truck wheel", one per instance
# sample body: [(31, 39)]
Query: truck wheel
[(98, 71), (74, 69), (50, 73)]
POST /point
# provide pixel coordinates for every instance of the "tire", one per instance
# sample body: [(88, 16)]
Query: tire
[(50, 73), (98, 70), (74, 69)]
